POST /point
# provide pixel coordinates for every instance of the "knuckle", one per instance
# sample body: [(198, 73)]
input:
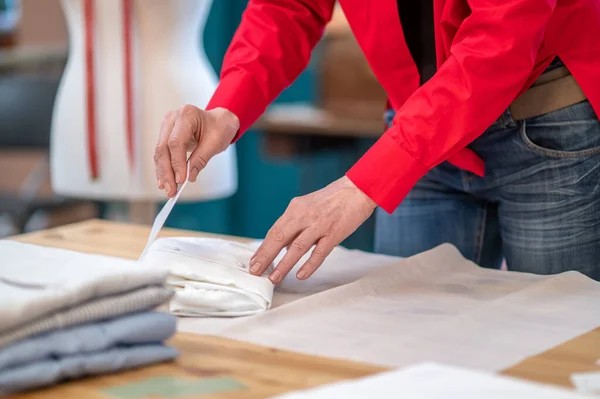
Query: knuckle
[(296, 202), (276, 233), (174, 142), (318, 253), (201, 161), (188, 110), (312, 263), (158, 154), (298, 246), (160, 171)]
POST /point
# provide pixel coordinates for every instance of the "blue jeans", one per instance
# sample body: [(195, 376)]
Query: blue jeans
[(538, 206)]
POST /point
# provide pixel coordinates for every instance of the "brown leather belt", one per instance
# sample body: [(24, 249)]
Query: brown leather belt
[(553, 90)]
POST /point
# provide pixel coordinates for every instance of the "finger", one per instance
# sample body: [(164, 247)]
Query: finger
[(199, 159), (162, 158), (183, 132), (296, 250), (316, 258), (283, 232)]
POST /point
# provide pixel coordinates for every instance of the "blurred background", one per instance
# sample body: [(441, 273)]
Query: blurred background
[(311, 135)]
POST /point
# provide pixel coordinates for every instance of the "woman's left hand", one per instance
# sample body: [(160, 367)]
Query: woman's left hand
[(323, 218)]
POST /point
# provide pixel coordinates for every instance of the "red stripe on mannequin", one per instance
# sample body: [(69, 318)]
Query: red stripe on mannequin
[(88, 11), (128, 57)]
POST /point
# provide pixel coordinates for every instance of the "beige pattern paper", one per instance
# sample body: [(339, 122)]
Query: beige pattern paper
[(436, 306)]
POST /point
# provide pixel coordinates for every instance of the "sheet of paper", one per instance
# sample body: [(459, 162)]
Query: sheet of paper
[(435, 306), (162, 216), (435, 381), (588, 382), (395, 312)]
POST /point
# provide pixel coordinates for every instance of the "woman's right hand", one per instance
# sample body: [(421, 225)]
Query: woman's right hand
[(190, 129)]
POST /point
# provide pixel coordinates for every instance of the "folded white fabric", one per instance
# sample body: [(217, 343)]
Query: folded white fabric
[(37, 280), (210, 276)]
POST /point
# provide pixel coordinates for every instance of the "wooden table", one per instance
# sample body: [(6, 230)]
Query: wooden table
[(263, 371)]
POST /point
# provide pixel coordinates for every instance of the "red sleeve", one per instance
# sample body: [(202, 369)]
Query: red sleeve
[(490, 60), (270, 48)]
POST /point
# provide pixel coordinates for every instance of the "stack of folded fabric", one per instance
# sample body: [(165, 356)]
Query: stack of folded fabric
[(210, 276), (67, 314)]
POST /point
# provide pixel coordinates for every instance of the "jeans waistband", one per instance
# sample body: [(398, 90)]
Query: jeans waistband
[(506, 117)]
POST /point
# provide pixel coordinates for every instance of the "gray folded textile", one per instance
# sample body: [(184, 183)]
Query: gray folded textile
[(96, 309), (50, 371), (89, 349)]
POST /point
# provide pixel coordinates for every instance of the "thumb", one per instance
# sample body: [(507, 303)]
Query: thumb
[(199, 159)]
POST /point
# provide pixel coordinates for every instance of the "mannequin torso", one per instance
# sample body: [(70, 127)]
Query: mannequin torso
[(120, 93)]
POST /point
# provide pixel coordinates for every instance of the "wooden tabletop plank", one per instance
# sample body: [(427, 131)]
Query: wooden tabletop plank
[(263, 371), (557, 364), (105, 237)]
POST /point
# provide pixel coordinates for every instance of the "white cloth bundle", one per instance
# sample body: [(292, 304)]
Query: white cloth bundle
[(210, 276)]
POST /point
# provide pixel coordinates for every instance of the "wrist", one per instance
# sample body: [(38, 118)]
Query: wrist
[(349, 183), (227, 119)]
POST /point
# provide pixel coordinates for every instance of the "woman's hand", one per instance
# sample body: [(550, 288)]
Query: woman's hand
[(190, 129), (324, 218)]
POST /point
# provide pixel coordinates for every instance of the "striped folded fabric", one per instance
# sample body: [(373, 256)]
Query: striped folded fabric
[(145, 298)]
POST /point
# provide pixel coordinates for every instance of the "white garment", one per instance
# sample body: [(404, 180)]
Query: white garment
[(37, 280), (211, 276)]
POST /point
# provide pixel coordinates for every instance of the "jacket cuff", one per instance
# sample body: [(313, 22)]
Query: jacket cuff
[(386, 173), (238, 94)]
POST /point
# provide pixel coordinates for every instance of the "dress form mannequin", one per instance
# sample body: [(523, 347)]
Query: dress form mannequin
[(130, 62)]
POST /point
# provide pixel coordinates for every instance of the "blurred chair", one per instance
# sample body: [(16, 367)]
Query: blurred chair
[(26, 103)]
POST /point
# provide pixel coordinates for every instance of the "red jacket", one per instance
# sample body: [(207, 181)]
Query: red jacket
[(488, 53)]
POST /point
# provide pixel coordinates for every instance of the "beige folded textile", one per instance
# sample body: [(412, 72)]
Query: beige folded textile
[(36, 281)]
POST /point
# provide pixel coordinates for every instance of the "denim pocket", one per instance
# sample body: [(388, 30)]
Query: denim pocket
[(571, 132)]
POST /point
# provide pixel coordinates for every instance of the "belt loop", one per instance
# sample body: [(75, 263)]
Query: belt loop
[(506, 119), (509, 118)]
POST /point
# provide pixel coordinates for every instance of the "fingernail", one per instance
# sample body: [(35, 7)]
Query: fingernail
[(177, 177), (167, 188), (195, 172), (301, 274), (158, 183), (255, 268), (274, 277)]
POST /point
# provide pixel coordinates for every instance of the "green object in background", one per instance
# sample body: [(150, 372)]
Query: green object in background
[(170, 387)]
